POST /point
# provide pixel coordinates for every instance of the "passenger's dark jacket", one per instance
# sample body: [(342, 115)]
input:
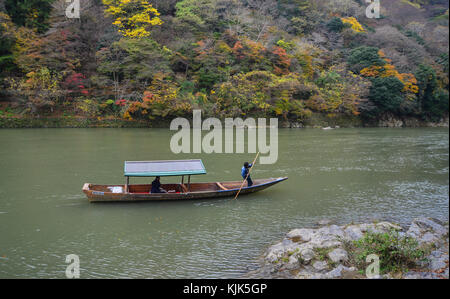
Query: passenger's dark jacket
[(156, 185)]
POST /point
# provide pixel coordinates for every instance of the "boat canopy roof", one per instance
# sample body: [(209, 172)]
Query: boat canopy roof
[(164, 168)]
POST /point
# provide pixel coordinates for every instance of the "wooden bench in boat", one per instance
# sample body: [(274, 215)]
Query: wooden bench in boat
[(221, 186)]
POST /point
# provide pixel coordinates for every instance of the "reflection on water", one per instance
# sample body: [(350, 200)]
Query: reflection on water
[(346, 174)]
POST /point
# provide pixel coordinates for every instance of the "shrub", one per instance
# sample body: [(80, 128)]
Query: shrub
[(335, 25), (433, 99), (363, 57), (386, 93), (438, 106), (86, 107), (396, 253), (355, 25), (288, 46)]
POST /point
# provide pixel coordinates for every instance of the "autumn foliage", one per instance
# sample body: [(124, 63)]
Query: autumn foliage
[(158, 59), (388, 70)]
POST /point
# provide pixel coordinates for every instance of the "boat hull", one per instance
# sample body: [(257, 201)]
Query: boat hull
[(104, 193)]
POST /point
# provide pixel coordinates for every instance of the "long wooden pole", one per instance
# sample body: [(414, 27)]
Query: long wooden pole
[(243, 182)]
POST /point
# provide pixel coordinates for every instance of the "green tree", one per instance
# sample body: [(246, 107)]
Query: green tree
[(197, 13), (363, 57), (7, 42), (386, 94), (30, 13), (335, 25), (439, 106), (130, 64), (39, 92), (427, 81), (433, 100)]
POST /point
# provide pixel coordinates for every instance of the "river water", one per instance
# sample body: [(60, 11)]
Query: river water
[(344, 175)]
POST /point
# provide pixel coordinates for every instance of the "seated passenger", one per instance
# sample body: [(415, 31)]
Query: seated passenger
[(156, 186)]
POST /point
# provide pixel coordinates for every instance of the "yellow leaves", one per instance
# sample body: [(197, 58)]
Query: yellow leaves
[(389, 71), (306, 61), (308, 56), (30, 74), (118, 21), (372, 71), (135, 33), (278, 110), (356, 26), (133, 17), (223, 47), (410, 82), (127, 115), (5, 21), (263, 105), (167, 50), (416, 5)]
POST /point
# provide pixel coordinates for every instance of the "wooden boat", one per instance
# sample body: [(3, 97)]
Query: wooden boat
[(181, 191)]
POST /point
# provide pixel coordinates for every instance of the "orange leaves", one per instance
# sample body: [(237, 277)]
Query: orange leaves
[(238, 49), (284, 61), (159, 100), (280, 52), (148, 96), (256, 49), (372, 71), (253, 51), (388, 70), (203, 47)]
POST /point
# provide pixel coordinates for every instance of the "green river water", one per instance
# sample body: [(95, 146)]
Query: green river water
[(344, 175)]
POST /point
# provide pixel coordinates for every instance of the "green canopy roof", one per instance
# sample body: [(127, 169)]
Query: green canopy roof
[(164, 168)]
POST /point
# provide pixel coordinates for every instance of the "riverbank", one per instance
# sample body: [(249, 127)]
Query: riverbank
[(316, 121), (330, 251), (347, 121), (76, 122)]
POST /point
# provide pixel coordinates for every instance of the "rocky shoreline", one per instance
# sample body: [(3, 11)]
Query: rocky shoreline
[(325, 252)]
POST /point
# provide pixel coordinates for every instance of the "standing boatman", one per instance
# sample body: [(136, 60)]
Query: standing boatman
[(244, 171)]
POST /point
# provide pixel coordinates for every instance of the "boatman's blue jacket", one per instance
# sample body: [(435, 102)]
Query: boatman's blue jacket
[(244, 171)]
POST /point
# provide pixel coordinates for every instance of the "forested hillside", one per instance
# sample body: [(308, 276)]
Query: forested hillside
[(293, 59)]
